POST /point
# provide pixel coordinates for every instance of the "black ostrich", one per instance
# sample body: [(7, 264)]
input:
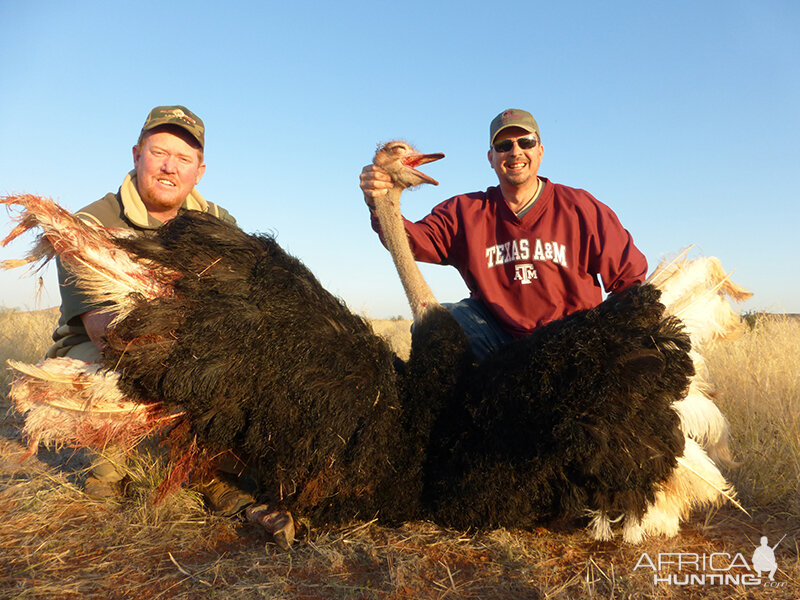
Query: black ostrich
[(268, 363)]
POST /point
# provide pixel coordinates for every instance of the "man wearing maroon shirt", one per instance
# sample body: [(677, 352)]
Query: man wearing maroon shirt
[(530, 251)]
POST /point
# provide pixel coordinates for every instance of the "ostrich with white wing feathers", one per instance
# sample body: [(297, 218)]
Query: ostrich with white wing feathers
[(694, 290), (430, 438)]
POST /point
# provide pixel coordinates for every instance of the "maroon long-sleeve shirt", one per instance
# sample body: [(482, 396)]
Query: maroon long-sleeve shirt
[(533, 269)]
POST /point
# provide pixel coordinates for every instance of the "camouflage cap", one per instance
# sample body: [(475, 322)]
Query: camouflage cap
[(513, 117), (179, 116)]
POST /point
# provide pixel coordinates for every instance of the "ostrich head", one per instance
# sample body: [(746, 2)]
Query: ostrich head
[(400, 160)]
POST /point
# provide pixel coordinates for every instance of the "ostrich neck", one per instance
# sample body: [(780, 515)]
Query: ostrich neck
[(417, 291)]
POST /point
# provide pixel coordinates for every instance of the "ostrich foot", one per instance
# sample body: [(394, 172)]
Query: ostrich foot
[(278, 523)]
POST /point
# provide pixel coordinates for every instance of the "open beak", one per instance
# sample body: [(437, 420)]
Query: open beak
[(415, 160)]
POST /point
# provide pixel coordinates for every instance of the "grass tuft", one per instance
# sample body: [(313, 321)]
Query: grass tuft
[(757, 380), (24, 336)]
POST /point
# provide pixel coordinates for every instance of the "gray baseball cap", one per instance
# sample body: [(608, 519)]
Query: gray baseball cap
[(513, 117)]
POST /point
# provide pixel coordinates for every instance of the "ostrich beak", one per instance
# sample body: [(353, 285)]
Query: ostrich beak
[(415, 160)]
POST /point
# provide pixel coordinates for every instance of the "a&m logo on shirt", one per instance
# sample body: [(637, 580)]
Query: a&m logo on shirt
[(524, 273)]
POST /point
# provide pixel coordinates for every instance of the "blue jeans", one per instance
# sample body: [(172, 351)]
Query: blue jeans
[(483, 331)]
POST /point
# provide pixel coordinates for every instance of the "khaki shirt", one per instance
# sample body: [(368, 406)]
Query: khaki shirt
[(123, 210)]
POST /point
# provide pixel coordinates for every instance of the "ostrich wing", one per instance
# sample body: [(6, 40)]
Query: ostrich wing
[(108, 274), (697, 292), (70, 402)]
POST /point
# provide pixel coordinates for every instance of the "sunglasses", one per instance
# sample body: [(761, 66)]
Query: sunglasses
[(525, 143)]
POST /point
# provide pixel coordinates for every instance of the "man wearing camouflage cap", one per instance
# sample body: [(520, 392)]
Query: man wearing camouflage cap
[(530, 251), (168, 164)]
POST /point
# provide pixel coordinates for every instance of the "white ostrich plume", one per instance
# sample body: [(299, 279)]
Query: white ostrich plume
[(104, 271), (78, 404), (697, 291)]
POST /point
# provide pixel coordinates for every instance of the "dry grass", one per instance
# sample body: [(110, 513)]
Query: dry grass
[(397, 332), (757, 378), (24, 336), (55, 543)]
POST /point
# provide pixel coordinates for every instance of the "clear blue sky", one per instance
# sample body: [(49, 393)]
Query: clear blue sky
[(680, 115)]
